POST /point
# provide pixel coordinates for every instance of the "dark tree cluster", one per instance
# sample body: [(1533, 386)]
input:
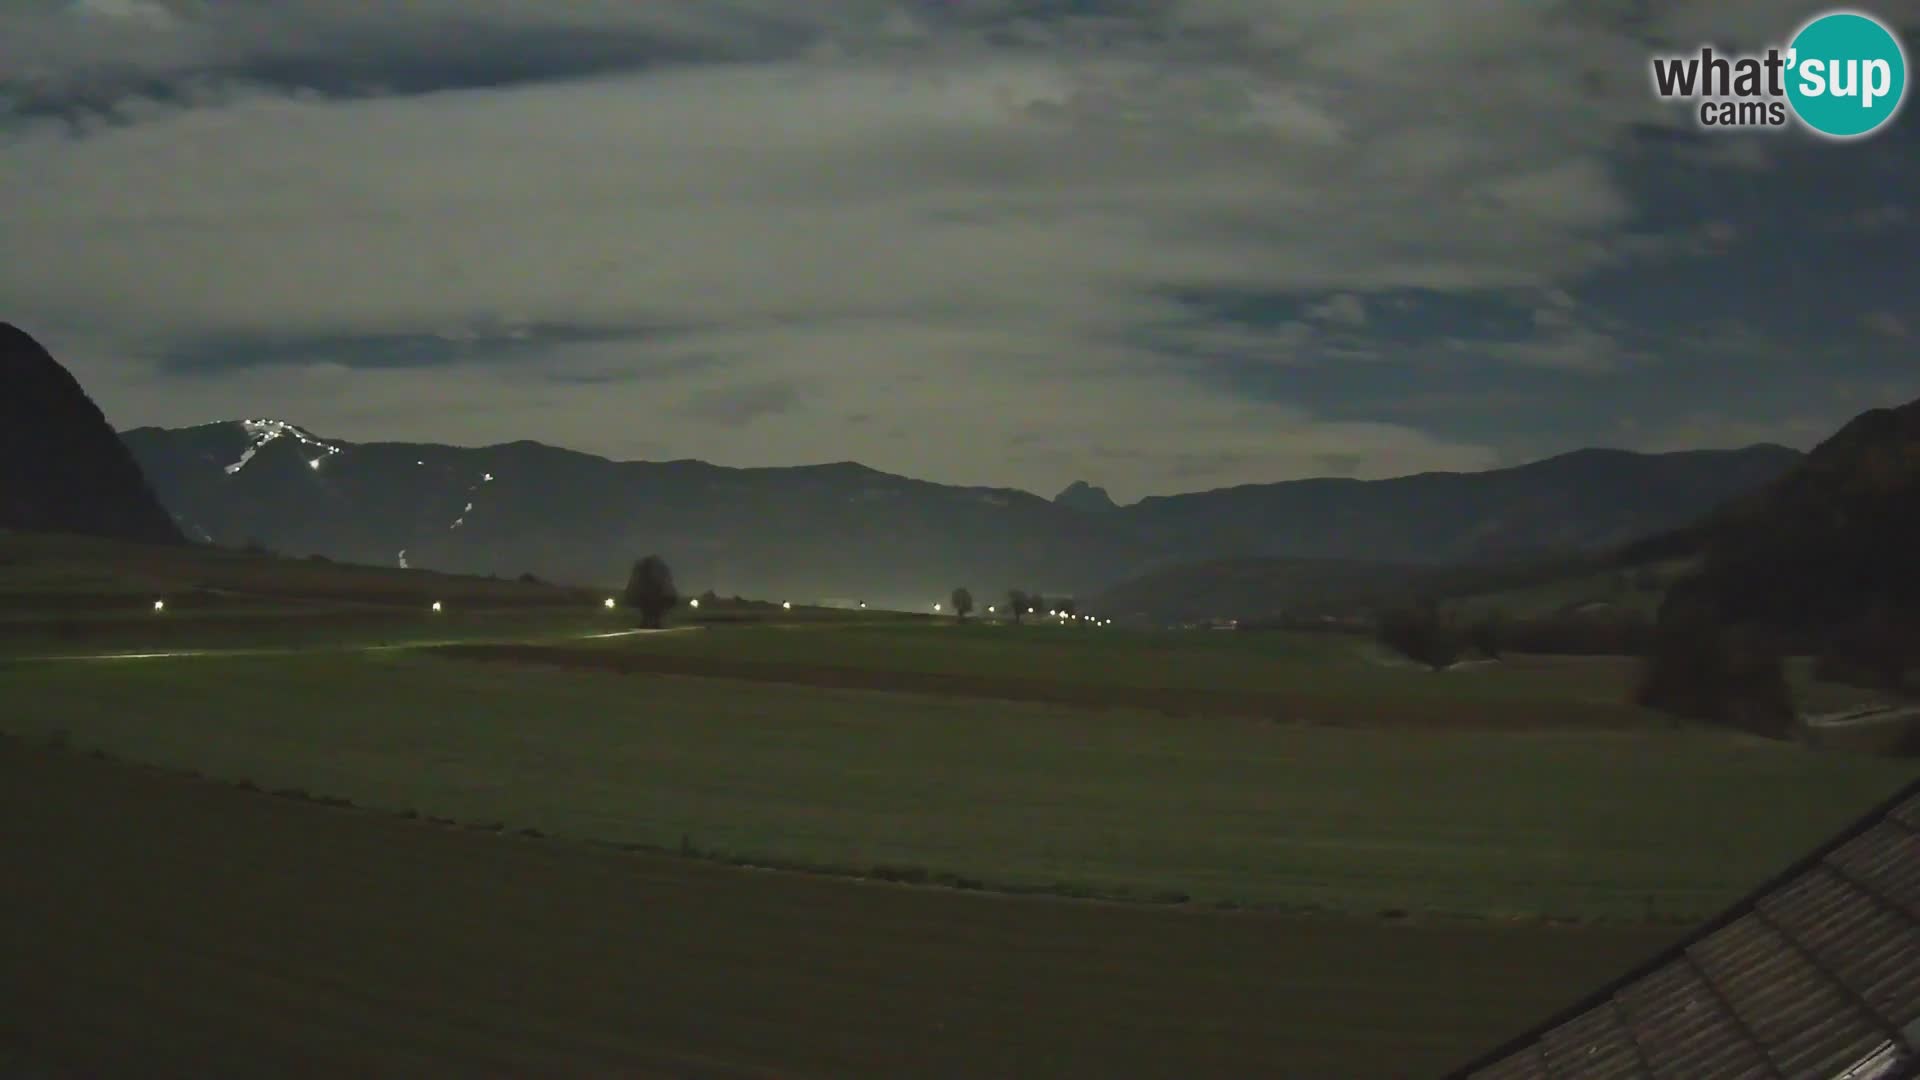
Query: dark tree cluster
[(1707, 668), (1876, 650), (1609, 632), (1820, 562), (1423, 634)]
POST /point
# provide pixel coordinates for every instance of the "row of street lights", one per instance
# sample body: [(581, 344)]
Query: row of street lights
[(1067, 616), (611, 604)]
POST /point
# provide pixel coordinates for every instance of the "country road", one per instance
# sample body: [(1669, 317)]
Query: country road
[(172, 654)]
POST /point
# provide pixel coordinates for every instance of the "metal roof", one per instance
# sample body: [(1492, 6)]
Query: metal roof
[(1813, 976)]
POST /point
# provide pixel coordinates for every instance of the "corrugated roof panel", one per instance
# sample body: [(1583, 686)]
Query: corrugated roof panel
[(1807, 978)]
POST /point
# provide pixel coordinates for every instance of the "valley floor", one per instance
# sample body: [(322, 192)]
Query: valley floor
[(1569, 823), (1439, 858), (173, 927)]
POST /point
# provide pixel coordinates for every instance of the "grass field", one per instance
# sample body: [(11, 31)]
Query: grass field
[(171, 928), (1305, 676), (1610, 825), (1411, 834), (66, 594)]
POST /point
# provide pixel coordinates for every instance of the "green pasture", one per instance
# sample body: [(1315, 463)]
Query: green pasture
[(1619, 826)]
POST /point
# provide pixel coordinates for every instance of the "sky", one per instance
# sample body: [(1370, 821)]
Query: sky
[(1159, 245)]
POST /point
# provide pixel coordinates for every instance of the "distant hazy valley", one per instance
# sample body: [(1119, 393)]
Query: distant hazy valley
[(844, 531)]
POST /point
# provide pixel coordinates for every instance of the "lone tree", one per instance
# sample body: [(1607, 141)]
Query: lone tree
[(650, 591), (1017, 602), (962, 603)]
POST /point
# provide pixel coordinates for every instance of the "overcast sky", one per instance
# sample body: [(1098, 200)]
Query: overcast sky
[(1160, 245)]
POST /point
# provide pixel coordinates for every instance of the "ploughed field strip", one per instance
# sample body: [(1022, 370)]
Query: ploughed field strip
[(1285, 706), (1817, 975)]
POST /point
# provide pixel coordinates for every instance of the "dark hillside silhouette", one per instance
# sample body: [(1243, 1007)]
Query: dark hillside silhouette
[(62, 467), (1822, 561)]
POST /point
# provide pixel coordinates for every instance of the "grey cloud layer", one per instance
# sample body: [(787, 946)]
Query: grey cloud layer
[(962, 218)]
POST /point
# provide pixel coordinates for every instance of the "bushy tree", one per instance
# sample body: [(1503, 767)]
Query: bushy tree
[(962, 603), (650, 591), (1018, 602)]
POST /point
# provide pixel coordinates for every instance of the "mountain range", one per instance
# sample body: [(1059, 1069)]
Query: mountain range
[(845, 531)]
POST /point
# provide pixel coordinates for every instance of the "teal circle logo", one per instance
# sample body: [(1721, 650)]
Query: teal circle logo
[(1847, 74)]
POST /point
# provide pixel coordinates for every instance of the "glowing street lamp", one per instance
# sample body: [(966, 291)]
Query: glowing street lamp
[(989, 609), (936, 607), (159, 606), (436, 605), (609, 603), (786, 605), (695, 602)]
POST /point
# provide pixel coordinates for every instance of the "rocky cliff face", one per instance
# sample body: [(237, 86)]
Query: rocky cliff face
[(1081, 495), (62, 467)]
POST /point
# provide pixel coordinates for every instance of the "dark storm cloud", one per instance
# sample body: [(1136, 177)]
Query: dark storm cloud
[(69, 59), (227, 353)]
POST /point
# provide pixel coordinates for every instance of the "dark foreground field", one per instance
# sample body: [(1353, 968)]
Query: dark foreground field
[(175, 927)]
